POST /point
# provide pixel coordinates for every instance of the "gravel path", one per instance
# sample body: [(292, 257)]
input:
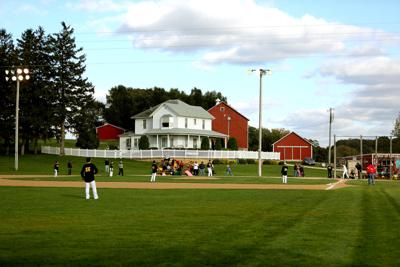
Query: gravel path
[(7, 180)]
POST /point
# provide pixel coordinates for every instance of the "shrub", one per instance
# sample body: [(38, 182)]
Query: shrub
[(144, 142), (251, 161), (232, 144), (242, 161), (205, 143)]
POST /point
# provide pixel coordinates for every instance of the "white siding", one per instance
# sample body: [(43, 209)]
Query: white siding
[(159, 114), (139, 126)]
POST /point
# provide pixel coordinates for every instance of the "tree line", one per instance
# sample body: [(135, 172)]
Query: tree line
[(56, 98)]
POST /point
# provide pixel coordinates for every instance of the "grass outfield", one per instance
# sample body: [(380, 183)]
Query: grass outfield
[(56, 226), (43, 164), (355, 226)]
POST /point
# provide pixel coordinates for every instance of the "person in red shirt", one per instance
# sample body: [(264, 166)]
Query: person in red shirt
[(371, 171)]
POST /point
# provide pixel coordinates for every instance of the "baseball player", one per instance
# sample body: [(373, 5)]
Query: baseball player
[(88, 171), (284, 171), (153, 171), (56, 168)]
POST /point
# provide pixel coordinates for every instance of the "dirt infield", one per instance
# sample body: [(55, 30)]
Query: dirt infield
[(7, 180)]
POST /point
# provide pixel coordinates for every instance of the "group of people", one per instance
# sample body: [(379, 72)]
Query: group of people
[(298, 170), (178, 167), (371, 172), (109, 168), (56, 167)]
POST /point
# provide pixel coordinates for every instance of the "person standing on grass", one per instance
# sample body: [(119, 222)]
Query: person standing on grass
[(295, 170), (202, 168), (195, 169), (87, 173), (153, 171), (69, 166), (345, 173), (284, 172), (111, 168), (107, 166), (229, 170), (329, 168), (121, 168), (371, 171), (56, 168), (210, 168)]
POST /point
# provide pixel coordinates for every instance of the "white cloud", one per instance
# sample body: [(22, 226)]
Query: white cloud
[(240, 31), (371, 70)]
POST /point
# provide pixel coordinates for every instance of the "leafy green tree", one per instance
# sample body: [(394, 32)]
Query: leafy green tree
[(205, 143), (85, 123), (232, 144), (268, 138), (7, 90), (120, 107), (144, 142), (69, 86)]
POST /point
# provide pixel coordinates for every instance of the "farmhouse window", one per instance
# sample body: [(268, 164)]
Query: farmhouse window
[(144, 124)]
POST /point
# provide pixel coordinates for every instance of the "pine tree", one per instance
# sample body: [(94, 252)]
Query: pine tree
[(7, 89), (69, 86), (36, 98)]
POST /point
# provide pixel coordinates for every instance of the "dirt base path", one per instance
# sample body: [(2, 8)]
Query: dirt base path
[(7, 180)]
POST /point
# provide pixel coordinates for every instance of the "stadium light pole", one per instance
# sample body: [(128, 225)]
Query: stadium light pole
[(262, 72), (17, 75)]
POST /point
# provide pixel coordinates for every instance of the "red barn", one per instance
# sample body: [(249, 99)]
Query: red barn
[(293, 147), (230, 122), (109, 132)]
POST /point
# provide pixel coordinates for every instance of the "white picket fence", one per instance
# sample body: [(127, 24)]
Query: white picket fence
[(163, 153)]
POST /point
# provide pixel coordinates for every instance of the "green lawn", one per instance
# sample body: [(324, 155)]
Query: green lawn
[(356, 226), (56, 226), (43, 164)]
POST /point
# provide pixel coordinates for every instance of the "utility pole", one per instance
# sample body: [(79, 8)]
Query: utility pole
[(262, 72), (330, 131)]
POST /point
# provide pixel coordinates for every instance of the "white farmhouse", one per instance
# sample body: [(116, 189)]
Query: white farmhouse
[(172, 124)]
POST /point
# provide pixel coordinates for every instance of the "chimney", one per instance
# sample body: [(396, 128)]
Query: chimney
[(217, 101)]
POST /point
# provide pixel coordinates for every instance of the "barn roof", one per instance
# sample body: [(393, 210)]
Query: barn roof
[(105, 124), (226, 104), (296, 135)]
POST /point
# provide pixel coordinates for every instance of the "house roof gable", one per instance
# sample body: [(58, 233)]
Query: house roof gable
[(179, 108)]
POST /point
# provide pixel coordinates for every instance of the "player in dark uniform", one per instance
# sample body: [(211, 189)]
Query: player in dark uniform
[(153, 171), (284, 171), (88, 171), (56, 168), (330, 168)]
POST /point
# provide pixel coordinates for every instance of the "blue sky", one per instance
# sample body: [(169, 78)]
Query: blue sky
[(339, 54)]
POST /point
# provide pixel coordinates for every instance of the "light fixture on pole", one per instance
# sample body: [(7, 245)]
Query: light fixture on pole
[(261, 72), (17, 75)]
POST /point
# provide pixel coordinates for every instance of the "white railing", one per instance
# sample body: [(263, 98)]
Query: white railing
[(163, 153)]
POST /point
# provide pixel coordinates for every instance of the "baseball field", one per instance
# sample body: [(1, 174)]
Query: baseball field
[(242, 220)]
